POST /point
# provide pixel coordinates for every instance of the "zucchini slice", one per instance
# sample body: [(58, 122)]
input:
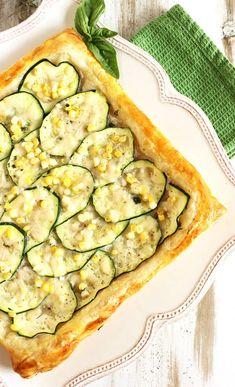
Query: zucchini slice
[(105, 153), (5, 183), (22, 291), (94, 276), (56, 308), (138, 192), (137, 243), (50, 83), (87, 231), (12, 245), (20, 113), (71, 120), (35, 210), (51, 259), (74, 186), (5, 142), (171, 206)]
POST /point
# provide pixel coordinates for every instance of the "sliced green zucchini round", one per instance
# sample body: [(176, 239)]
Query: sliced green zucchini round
[(22, 292), (56, 308), (105, 153), (71, 120), (5, 183), (74, 186), (171, 206), (5, 142), (20, 113), (137, 192), (12, 245), (50, 83), (35, 210), (87, 231), (97, 274), (137, 243), (51, 259)]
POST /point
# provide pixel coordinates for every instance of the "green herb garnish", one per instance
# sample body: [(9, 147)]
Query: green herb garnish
[(86, 19)]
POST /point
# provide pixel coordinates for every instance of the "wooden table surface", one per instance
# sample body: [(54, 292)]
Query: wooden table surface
[(198, 349)]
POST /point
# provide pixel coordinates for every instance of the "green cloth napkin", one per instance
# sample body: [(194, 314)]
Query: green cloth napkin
[(196, 68)]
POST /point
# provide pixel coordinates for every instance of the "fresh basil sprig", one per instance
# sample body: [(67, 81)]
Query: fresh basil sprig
[(86, 18)]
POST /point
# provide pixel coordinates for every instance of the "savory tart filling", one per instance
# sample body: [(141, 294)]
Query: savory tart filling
[(72, 184)]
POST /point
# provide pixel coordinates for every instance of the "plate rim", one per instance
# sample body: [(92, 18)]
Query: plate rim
[(170, 95)]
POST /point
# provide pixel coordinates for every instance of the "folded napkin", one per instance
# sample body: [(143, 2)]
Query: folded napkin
[(196, 68)]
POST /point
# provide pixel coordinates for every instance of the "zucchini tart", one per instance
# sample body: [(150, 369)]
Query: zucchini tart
[(94, 200)]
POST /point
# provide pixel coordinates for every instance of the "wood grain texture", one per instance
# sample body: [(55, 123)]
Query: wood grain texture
[(187, 352)]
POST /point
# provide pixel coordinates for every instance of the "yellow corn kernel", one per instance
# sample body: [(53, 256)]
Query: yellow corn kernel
[(37, 151), (143, 236), (108, 218), (67, 182), (9, 232), (130, 178), (90, 127), (133, 227), (76, 189), (34, 161), (11, 313), (82, 286), (45, 164), (115, 138), (28, 146), (72, 114), (26, 228), (7, 206), (43, 204), (19, 163), (77, 257), (27, 208), (42, 156), (101, 168), (48, 287), (36, 87), (130, 235), (48, 180), (94, 150), (109, 148), (20, 220), (38, 282), (82, 245), (122, 138), (172, 199), (150, 198), (54, 94), (143, 190), (114, 252), (117, 153), (35, 142), (91, 226), (161, 217), (5, 276), (83, 274), (13, 327)]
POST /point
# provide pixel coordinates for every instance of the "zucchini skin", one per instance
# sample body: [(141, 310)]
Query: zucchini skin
[(177, 219), (48, 61), (57, 326), (26, 92), (24, 247), (12, 146)]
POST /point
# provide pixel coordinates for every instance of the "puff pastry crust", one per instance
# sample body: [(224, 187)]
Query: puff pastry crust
[(43, 352)]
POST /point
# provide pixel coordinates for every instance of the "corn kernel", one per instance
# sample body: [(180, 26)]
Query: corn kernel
[(37, 151), (94, 149), (67, 182), (130, 178), (5, 276), (30, 155), (82, 286), (82, 245), (77, 257), (109, 148), (13, 327), (152, 205), (139, 229), (130, 235), (13, 213), (9, 232), (101, 168), (83, 274), (42, 156), (143, 190), (20, 220), (90, 127), (150, 198), (161, 217), (133, 227), (35, 142), (19, 163), (143, 236), (72, 114), (48, 180), (7, 206), (91, 226), (34, 161), (48, 287), (118, 153), (54, 94), (28, 146), (122, 138), (172, 199), (43, 204), (11, 313), (114, 252)]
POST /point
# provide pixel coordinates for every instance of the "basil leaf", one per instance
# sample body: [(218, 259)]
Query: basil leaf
[(105, 54), (81, 22), (103, 33)]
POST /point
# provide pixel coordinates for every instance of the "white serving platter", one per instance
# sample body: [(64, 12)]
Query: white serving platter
[(185, 281)]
